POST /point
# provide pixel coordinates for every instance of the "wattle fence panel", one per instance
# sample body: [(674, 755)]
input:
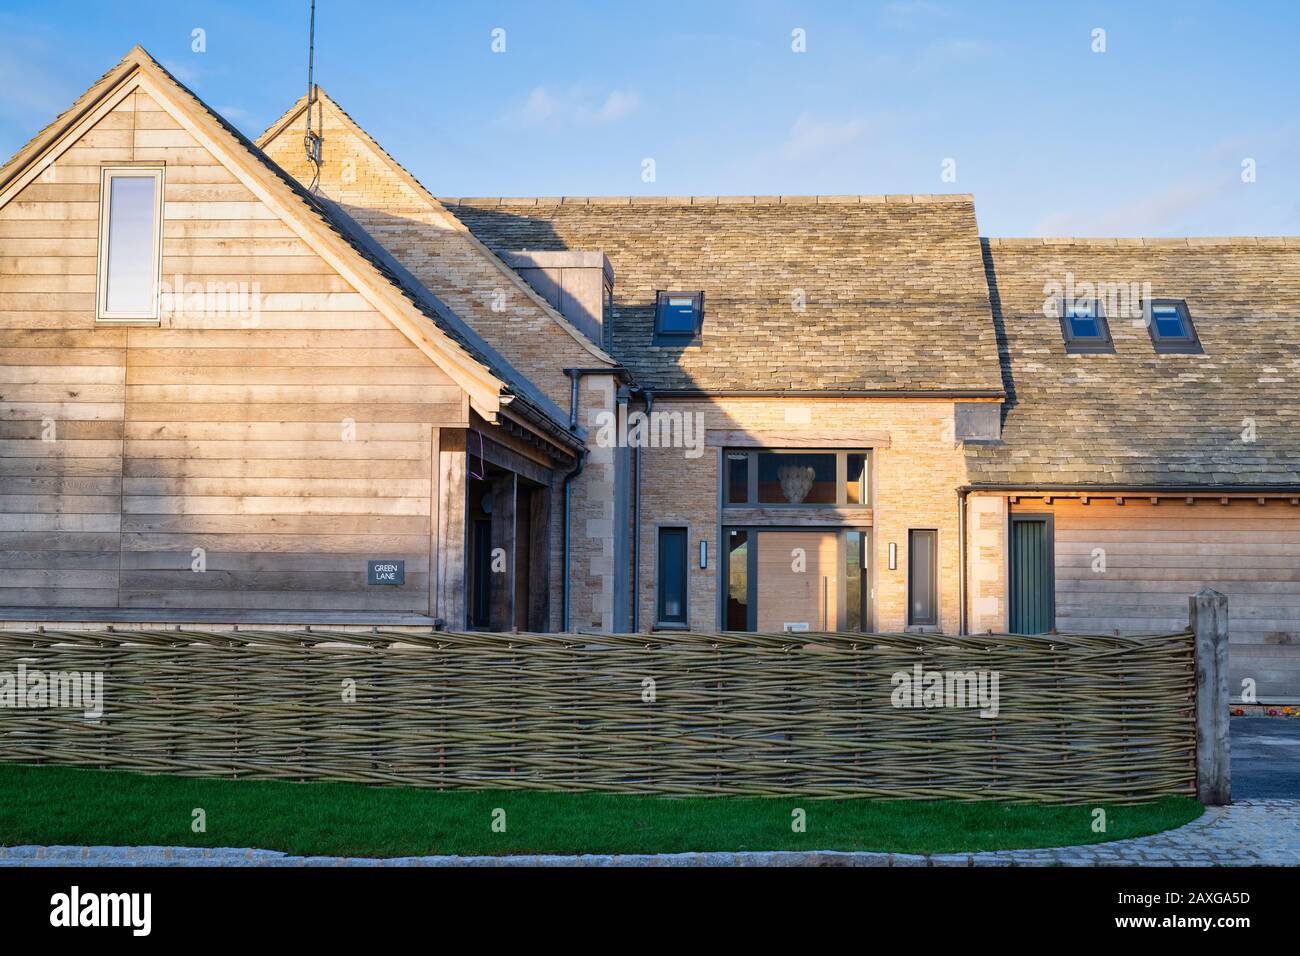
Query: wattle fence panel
[(1056, 718)]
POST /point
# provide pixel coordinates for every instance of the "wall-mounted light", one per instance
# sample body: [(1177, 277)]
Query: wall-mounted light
[(704, 554), (893, 556)]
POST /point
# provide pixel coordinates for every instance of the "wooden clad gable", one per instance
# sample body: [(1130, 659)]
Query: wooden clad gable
[(250, 451)]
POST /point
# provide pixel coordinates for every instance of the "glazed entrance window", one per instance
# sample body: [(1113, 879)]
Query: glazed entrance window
[(796, 479), (800, 479)]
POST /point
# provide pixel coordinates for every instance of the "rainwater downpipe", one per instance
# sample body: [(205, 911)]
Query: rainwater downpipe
[(564, 581), (636, 519), (961, 549)]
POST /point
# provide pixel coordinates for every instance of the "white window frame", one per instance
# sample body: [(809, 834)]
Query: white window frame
[(107, 175)]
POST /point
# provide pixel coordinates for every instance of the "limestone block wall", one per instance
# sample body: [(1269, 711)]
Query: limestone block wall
[(915, 478), (986, 563)]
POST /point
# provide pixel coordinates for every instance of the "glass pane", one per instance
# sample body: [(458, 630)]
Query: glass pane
[(672, 575), (853, 582), (677, 314), (856, 477), (738, 581), (132, 259), (1084, 328), (1169, 324), (737, 478), (800, 479), (920, 578)]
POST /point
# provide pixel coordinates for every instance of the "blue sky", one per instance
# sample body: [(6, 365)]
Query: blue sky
[(1146, 138)]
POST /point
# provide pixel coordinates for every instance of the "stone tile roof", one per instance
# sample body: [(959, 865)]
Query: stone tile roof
[(423, 242), (894, 293), (1138, 418)]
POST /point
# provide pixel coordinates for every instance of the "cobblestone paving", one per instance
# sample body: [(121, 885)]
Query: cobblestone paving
[(1249, 833)]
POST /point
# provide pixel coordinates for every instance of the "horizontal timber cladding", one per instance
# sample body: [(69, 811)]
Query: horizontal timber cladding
[(274, 432), (1078, 718), (1130, 567)]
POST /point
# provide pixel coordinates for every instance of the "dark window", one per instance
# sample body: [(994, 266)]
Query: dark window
[(1170, 325), (738, 580), (672, 575), (1083, 324), (737, 478), (922, 583), (796, 478), (679, 313), (855, 581)]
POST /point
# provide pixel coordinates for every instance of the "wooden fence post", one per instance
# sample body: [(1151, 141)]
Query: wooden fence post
[(1208, 618)]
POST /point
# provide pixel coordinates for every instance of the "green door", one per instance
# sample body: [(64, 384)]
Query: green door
[(1032, 582)]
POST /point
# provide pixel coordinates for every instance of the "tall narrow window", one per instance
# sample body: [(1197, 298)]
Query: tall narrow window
[(130, 243), (855, 581), (672, 576), (738, 580), (922, 578), (737, 478), (855, 480)]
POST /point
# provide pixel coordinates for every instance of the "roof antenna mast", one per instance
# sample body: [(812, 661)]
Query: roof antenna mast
[(312, 141)]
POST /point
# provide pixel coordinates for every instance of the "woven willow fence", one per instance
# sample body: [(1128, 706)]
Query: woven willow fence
[(1080, 718)]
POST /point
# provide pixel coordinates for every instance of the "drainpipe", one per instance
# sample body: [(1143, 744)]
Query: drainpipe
[(636, 520), (622, 611), (564, 580), (961, 548)]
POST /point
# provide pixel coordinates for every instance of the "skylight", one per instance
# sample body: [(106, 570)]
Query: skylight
[(1084, 327), (679, 314), (1170, 325)]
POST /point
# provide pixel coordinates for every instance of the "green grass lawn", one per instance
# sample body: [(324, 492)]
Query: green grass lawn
[(56, 805)]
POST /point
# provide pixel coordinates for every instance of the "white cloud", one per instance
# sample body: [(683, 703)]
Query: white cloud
[(1154, 214), (810, 135), (237, 115), (577, 106), (617, 105)]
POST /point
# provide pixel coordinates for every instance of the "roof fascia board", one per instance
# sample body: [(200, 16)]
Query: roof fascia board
[(1136, 491), (701, 394)]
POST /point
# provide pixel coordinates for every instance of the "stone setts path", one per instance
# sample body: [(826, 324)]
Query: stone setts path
[(1248, 833)]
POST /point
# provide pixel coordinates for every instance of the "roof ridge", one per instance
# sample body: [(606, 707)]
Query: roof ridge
[(739, 200)]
